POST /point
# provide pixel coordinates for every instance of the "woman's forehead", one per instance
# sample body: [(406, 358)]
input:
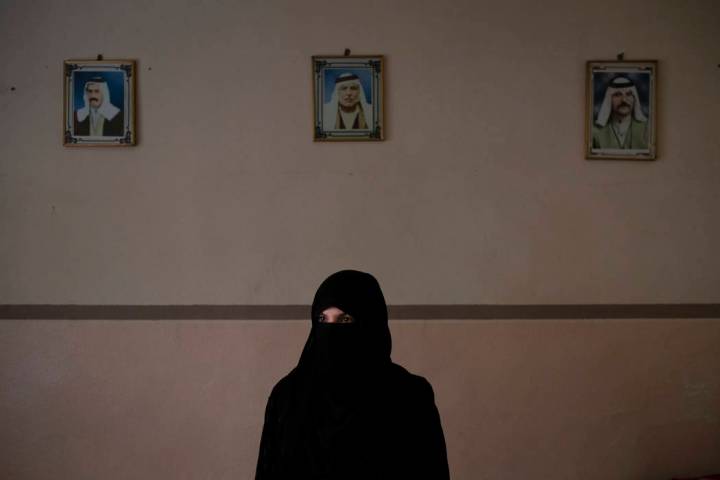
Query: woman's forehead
[(330, 310)]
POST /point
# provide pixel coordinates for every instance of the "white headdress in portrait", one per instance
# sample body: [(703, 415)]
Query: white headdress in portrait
[(106, 108), (330, 109), (619, 83)]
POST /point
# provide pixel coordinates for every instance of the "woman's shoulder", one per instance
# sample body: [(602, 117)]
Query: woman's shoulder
[(286, 385), (409, 383), (396, 378)]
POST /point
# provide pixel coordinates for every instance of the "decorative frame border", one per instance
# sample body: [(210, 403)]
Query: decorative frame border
[(128, 70), (375, 65), (597, 68)]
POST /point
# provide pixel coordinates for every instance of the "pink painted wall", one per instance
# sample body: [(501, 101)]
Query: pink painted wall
[(586, 399)]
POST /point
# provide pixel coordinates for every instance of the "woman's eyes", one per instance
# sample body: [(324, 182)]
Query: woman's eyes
[(344, 318)]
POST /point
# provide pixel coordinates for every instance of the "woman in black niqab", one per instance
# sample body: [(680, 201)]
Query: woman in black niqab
[(346, 411)]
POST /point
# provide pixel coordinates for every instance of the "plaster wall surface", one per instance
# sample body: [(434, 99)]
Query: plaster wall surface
[(479, 195), (517, 398)]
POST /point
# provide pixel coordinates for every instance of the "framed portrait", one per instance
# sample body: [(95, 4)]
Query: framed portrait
[(348, 98), (99, 103), (621, 110)]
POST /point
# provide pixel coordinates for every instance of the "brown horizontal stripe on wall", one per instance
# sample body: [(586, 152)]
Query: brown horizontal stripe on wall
[(396, 312)]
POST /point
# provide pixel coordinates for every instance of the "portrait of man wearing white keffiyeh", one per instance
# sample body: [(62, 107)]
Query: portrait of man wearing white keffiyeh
[(98, 117)]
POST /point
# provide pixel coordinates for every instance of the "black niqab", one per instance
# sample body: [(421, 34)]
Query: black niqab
[(348, 349), (346, 411)]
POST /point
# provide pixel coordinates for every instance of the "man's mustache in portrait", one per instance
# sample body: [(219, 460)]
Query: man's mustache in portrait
[(94, 99)]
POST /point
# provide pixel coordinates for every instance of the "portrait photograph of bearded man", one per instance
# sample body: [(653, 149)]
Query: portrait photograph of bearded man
[(622, 112), (347, 107), (98, 116), (348, 98), (98, 103)]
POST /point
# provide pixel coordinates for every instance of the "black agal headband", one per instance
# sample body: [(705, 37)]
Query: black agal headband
[(345, 77), (621, 82)]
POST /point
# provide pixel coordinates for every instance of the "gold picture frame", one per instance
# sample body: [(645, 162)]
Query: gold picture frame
[(621, 113)]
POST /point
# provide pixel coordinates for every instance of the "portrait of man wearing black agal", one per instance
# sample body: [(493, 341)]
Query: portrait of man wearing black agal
[(346, 411), (621, 122), (98, 116)]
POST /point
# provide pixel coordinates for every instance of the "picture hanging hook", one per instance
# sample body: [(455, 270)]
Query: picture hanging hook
[(99, 57), (621, 56), (347, 52)]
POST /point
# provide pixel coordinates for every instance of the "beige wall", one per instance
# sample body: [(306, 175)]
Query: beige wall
[(479, 195)]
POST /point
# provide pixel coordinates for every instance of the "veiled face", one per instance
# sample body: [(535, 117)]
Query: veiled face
[(348, 93), (335, 315), (623, 101), (349, 323), (94, 94)]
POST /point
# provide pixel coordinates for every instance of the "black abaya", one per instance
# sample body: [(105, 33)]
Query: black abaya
[(346, 411)]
